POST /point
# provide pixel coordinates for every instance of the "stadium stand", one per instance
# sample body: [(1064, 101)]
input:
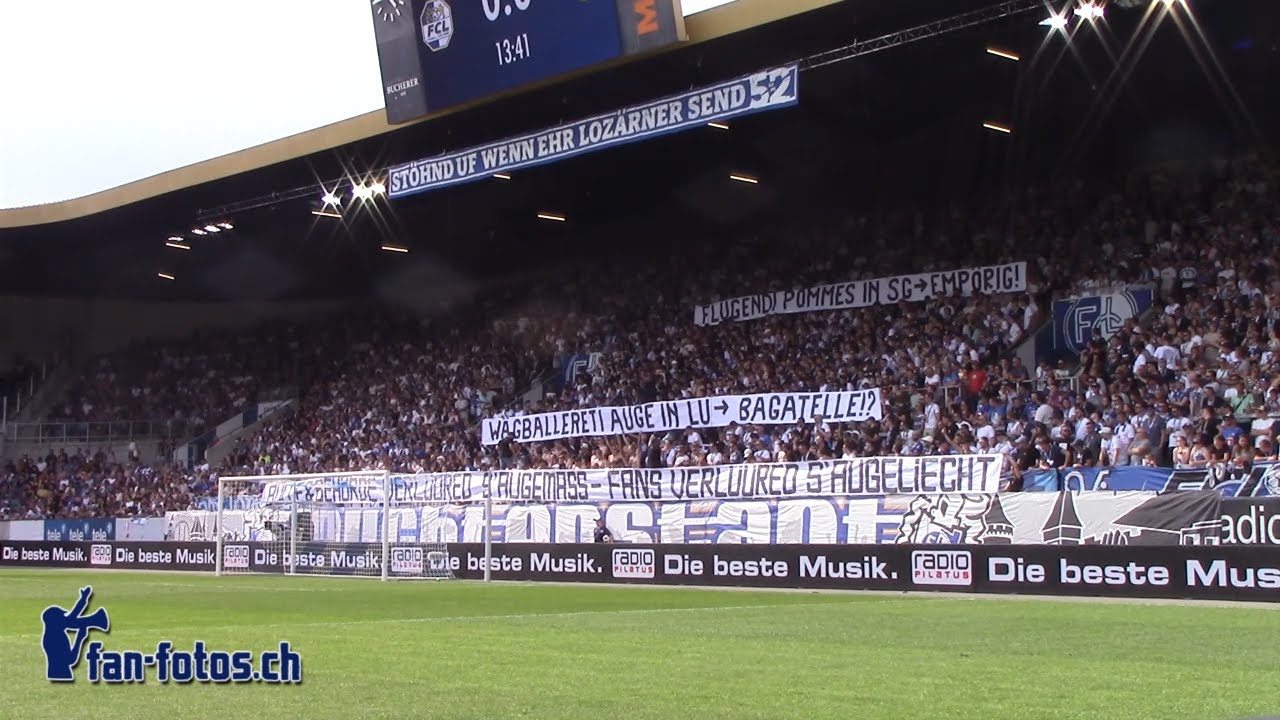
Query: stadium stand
[(19, 381), (1192, 385), (185, 384)]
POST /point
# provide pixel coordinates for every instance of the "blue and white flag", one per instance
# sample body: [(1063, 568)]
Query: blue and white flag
[(1076, 320), (764, 90)]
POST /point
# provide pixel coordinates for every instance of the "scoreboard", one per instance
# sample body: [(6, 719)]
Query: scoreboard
[(436, 54)]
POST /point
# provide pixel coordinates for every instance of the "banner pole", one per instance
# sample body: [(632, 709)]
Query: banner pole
[(217, 534), (488, 533), (386, 525), (293, 534)]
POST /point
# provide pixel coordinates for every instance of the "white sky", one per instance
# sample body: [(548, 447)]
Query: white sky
[(97, 94)]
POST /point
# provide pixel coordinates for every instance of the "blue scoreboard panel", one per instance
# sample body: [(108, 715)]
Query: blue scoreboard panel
[(435, 54)]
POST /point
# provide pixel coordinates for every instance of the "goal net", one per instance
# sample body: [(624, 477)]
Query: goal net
[(357, 524)]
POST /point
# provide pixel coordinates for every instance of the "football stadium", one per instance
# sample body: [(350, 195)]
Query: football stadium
[(640, 359)]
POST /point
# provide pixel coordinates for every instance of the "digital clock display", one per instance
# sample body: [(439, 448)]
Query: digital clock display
[(464, 50)]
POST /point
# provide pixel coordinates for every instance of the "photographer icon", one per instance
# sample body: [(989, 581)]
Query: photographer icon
[(60, 652)]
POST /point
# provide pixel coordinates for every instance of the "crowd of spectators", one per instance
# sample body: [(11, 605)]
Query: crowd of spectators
[(943, 366), (1193, 385), (102, 484), (186, 384), (407, 392)]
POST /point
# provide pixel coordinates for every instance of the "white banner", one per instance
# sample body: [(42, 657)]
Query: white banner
[(667, 415), (989, 280), (199, 525), (1128, 518), (859, 477)]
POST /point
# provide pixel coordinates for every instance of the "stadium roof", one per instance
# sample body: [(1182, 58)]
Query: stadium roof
[(902, 126)]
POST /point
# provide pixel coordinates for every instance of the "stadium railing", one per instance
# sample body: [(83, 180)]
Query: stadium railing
[(1071, 383), (93, 432)]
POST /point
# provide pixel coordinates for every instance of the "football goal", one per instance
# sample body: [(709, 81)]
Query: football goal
[(355, 524)]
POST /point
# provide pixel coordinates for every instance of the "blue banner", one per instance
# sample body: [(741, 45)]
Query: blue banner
[(1262, 480), (1076, 320), (764, 90), (575, 365), (97, 529)]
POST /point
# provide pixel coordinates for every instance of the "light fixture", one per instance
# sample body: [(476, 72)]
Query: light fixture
[(1089, 11), (551, 216), (998, 128), (212, 228), (177, 245), (360, 191), (743, 179), (327, 213), (502, 176), (718, 125), (226, 226), (1055, 21), (165, 276), (174, 238), (395, 248), (1004, 54), (198, 231), (377, 188), (331, 198)]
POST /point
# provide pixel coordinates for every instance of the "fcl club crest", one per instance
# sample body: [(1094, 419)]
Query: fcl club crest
[(1105, 313), (437, 24)]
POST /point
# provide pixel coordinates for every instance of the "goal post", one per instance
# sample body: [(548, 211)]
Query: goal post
[(355, 524)]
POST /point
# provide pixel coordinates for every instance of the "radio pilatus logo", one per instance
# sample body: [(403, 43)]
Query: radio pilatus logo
[(65, 649), (437, 24)]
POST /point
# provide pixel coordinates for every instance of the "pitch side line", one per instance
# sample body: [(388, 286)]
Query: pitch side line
[(196, 630)]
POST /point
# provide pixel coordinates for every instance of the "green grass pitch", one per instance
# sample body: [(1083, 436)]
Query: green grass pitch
[(468, 650)]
